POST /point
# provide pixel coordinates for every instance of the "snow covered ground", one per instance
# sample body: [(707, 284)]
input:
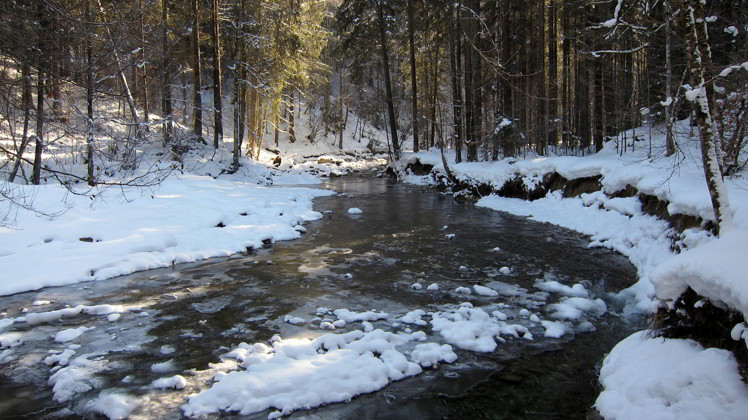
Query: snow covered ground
[(184, 219), (713, 267)]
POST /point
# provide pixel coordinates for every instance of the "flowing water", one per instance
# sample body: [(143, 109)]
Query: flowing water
[(203, 310)]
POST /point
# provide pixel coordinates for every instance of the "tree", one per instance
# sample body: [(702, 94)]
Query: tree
[(694, 30), (217, 85), (387, 84), (197, 101), (413, 82)]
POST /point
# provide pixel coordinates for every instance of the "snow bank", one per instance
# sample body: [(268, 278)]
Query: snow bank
[(619, 224), (184, 219), (670, 379), (714, 270)]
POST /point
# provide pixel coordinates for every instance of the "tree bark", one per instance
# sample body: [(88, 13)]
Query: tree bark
[(217, 86), (197, 100), (26, 95), (454, 66), (670, 140), (37, 172), (387, 85), (699, 59), (90, 75), (411, 42), (166, 106), (291, 120), (144, 70)]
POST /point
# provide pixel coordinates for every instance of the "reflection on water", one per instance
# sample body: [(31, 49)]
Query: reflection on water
[(193, 313)]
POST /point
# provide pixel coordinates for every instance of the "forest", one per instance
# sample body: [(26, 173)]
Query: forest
[(493, 208), (486, 78)]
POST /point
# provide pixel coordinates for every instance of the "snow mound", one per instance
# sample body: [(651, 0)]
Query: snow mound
[(113, 405), (430, 354), (576, 290), (473, 329), (71, 334), (575, 307), (674, 379), (484, 291), (350, 316), (176, 382), (355, 210), (302, 373)]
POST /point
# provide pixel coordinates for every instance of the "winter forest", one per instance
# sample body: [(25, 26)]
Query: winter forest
[(373, 208)]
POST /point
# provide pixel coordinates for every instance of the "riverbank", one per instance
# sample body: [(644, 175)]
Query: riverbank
[(655, 210)]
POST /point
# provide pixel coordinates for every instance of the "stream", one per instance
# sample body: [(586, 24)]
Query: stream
[(191, 314)]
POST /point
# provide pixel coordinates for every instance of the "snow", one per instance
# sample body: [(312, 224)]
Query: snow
[(573, 308), (350, 316), (711, 270), (484, 291), (355, 210), (414, 317), (430, 354), (433, 286), (76, 378), (301, 373), (554, 329), (648, 377), (133, 229), (176, 382), (473, 329), (166, 366), (71, 334), (294, 320), (554, 286), (113, 405)]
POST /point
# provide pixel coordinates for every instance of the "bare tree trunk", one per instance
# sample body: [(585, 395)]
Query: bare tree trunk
[(197, 101), (411, 42), (455, 67), (699, 59), (26, 95), (90, 75), (144, 70), (254, 131), (217, 86), (387, 85), (166, 107), (467, 50), (669, 84), (291, 120), (37, 173)]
